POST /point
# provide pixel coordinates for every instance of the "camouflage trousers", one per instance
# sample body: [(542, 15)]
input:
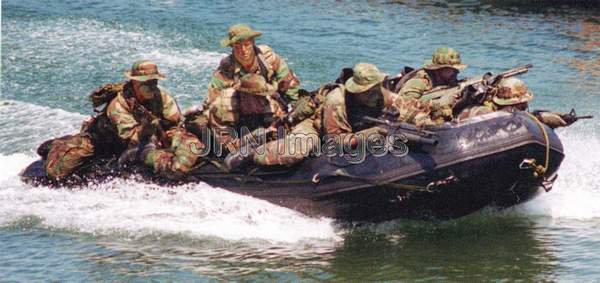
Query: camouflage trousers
[(67, 154), (176, 159), (291, 149)]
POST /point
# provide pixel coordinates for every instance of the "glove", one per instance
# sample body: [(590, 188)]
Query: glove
[(553, 120)]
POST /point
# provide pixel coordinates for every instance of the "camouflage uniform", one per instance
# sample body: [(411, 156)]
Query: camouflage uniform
[(258, 103), (421, 81), (475, 110), (175, 159), (304, 137), (415, 111), (222, 104), (179, 152), (67, 154), (355, 94), (509, 93)]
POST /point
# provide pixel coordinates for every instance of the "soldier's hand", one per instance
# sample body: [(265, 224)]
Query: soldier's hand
[(553, 120), (374, 132), (147, 129)]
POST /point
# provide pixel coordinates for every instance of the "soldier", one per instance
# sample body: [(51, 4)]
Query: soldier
[(511, 94), (440, 71), (139, 112), (258, 108), (367, 93), (338, 112), (246, 58)]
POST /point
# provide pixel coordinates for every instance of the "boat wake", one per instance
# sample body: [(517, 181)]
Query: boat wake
[(134, 209)]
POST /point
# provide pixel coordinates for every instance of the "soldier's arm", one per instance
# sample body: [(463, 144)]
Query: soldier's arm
[(170, 111), (127, 127), (411, 110), (552, 119), (414, 88), (222, 78), (287, 82), (335, 118)]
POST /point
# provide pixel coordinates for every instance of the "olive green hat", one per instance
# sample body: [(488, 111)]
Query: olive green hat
[(238, 33), (444, 57), (144, 70), (512, 91), (255, 84), (364, 77)]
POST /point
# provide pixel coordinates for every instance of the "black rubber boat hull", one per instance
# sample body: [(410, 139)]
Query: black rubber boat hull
[(475, 164)]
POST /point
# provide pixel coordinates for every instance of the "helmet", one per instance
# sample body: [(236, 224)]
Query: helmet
[(512, 91)]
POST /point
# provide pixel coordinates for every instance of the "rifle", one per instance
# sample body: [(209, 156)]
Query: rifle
[(477, 91), (446, 93), (572, 117), (149, 119), (569, 118)]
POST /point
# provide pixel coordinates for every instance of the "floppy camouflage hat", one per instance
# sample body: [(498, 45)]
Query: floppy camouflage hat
[(512, 91), (144, 70), (444, 57), (255, 84), (364, 77), (239, 33)]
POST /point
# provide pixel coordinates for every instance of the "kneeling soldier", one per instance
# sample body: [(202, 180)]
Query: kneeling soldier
[(139, 112)]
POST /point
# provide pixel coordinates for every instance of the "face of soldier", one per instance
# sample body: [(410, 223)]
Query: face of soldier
[(145, 90), (244, 51), (371, 97), (447, 75)]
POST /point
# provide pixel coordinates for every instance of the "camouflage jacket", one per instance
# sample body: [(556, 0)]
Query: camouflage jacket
[(417, 85), (413, 111), (128, 127), (440, 110), (474, 110), (277, 73), (338, 118)]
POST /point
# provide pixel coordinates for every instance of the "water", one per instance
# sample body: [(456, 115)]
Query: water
[(55, 53)]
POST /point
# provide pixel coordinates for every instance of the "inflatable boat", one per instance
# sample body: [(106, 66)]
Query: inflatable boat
[(499, 159)]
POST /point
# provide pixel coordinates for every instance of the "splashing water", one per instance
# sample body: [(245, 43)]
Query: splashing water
[(576, 193), (137, 209)]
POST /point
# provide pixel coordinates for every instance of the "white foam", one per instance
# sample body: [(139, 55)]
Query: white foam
[(24, 125), (136, 209), (576, 193), (93, 48)]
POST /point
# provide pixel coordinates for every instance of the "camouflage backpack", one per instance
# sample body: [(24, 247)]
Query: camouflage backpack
[(99, 127)]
